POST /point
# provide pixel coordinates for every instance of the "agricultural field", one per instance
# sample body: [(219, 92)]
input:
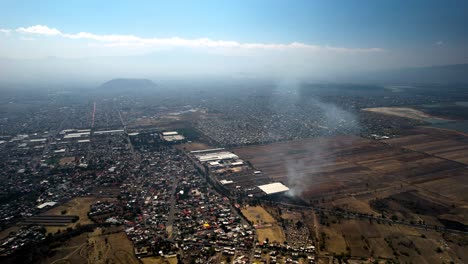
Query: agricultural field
[(442, 144), (426, 167), (266, 226)]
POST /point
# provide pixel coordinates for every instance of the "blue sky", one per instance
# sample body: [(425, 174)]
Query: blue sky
[(303, 35)]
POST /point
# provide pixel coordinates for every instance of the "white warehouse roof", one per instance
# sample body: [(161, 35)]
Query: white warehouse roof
[(222, 155), (46, 204), (174, 138), (275, 187), (170, 133)]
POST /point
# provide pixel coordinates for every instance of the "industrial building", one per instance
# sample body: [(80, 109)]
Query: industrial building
[(233, 173), (172, 136), (273, 188)]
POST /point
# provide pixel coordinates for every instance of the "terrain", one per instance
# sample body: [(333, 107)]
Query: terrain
[(370, 178), (356, 174)]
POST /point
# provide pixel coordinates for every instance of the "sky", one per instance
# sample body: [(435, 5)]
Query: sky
[(95, 40)]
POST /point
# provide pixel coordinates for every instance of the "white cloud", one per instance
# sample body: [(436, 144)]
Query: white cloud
[(5, 31), (135, 41), (439, 43), (39, 29)]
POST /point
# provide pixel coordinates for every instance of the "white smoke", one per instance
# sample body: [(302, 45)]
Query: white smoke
[(333, 120)]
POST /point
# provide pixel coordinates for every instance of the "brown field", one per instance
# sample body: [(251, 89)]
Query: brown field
[(259, 216), (168, 121), (6, 232), (194, 146), (405, 244), (440, 144), (78, 206), (405, 112), (66, 161), (109, 245), (351, 164), (159, 260), (349, 172), (155, 260)]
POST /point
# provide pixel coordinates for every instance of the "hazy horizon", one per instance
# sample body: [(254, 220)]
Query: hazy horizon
[(313, 41)]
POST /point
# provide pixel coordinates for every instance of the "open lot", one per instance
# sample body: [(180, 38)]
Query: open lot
[(108, 245), (405, 112), (78, 206), (194, 146), (400, 243), (265, 224)]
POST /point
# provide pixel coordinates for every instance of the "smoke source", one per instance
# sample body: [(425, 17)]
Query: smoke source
[(323, 119)]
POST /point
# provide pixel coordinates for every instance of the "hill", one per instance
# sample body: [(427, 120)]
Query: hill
[(127, 85)]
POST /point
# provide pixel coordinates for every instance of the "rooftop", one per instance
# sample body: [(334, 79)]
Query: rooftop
[(272, 188)]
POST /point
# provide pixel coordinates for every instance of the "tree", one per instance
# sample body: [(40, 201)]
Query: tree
[(299, 224)]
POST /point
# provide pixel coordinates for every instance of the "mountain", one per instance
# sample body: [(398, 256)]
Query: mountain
[(444, 74), (127, 85)]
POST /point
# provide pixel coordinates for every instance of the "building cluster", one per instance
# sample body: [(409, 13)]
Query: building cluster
[(235, 175), (167, 200), (204, 217), (22, 237), (148, 195), (172, 136), (254, 120), (259, 119)]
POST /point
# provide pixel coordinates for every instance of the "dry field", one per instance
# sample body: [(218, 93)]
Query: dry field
[(159, 260), (350, 172), (194, 146), (66, 161), (439, 143), (109, 245), (267, 227), (78, 206), (404, 244), (405, 112)]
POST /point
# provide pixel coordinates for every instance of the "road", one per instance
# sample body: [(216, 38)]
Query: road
[(132, 149), (170, 217)]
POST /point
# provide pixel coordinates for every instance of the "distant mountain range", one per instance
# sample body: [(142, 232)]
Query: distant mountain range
[(127, 85), (444, 74)]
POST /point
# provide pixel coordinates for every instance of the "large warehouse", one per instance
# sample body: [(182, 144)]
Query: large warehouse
[(273, 188)]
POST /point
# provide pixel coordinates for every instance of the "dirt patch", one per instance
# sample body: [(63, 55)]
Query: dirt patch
[(265, 224), (405, 112), (409, 201), (79, 206), (104, 245), (194, 146), (67, 161)]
